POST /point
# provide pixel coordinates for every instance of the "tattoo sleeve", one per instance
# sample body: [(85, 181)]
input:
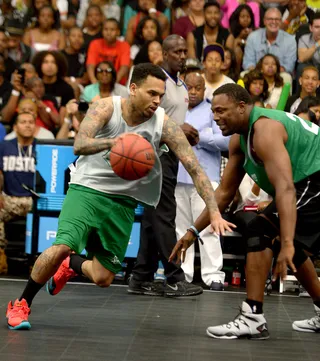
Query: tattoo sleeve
[(174, 137), (96, 118)]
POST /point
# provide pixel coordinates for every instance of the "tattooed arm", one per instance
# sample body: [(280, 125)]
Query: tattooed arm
[(174, 137), (96, 118)]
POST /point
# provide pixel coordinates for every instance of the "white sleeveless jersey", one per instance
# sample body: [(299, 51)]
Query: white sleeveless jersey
[(94, 171)]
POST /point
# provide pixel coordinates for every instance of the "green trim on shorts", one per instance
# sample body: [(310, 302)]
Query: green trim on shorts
[(125, 200), (94, 221)]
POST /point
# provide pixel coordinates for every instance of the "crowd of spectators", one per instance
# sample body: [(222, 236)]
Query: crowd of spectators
[(58, 56), (54, 51)]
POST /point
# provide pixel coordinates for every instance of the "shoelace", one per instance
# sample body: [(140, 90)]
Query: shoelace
[(19, 309), (65, 273)]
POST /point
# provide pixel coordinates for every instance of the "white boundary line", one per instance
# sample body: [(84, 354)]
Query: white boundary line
[(115, 285)]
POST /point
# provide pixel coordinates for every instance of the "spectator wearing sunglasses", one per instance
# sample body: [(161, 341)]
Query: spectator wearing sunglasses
[(106, 85)]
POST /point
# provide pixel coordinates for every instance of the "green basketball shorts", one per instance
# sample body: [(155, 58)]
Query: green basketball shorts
[(98, 222)]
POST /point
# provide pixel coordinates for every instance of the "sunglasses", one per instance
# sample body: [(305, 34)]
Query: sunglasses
[(99, 70)]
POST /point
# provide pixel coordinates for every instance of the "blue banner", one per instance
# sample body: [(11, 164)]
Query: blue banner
[(52, 163), (48, 227)]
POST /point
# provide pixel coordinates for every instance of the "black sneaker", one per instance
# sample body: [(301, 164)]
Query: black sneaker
[(216, 286), (155, 288), (182, 289)]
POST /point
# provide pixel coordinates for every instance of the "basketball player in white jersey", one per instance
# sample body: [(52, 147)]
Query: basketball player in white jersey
[(98, 212)]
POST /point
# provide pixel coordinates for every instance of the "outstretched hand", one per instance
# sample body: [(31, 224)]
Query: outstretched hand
[(178, 253), (220, 225), (283, 262)]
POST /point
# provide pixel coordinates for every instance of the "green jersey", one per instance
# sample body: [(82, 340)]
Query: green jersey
[(303, 146)]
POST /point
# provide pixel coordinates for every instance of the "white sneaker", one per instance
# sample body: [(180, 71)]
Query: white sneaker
[(247, 325), (303, 292), (311, 325)]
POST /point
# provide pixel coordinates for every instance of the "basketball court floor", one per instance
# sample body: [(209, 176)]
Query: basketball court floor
[(85, 322)]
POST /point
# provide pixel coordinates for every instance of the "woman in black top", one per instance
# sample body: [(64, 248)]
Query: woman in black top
[(241, 25)]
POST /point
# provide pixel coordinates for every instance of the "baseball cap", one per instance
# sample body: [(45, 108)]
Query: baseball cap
[(14, 27), (213, 47)]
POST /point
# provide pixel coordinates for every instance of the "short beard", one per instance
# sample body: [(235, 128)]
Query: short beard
[(211, 27)]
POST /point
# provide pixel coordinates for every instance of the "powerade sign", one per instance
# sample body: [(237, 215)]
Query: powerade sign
[(52, 162), (48, 227)]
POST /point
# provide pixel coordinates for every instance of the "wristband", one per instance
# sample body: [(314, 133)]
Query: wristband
[(194, 230), (15, 93), (48, 110), (72, 79), (67, 120)]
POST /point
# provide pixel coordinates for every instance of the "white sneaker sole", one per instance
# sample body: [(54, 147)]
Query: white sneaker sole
[(297, 328), (233, 337), (221, 337)]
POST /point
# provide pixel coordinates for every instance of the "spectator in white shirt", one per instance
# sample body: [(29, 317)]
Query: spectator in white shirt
[(213, 61)]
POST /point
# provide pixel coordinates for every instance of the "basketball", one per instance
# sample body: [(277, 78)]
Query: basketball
[(132, 157)]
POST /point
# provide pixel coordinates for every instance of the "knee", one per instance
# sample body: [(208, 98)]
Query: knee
[(300, 256), (61, 252), (260, 234), (104, 279)]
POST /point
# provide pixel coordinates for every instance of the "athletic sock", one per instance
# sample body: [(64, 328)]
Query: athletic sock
[(256, 306), (317, 303), (32, 288), (76, 262)]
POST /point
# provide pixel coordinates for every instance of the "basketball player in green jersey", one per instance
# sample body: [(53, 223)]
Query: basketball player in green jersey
[(98, 211), (281, 153)]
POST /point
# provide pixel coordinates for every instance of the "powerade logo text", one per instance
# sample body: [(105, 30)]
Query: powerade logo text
[(54, 170)]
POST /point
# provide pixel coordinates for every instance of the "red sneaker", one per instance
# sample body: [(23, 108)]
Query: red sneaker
[(17, 315), (61, 277)]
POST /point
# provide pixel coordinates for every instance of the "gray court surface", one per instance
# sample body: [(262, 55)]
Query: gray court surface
[(85, 322)]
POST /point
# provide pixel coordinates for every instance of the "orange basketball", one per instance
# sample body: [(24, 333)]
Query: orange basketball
[(132, 157)]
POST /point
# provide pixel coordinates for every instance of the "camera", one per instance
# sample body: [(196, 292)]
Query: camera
[(83, 107), (22, 72)]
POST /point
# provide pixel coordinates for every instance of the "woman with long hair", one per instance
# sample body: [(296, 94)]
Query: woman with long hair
[(31, 17), (52, 68), (269, 66), (228, 7), (256, 85), (147, 30), (150, 52), (147, 8), (241, 25), (44, 36), (229, 67)]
